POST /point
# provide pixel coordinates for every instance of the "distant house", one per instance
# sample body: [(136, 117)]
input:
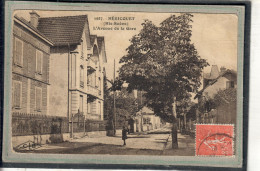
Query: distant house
[(77, 68), (30, 67), (215, 80), (146, 120), (214, 83)]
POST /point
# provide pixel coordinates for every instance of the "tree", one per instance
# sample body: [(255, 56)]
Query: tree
[(162, 62), (183, 105), (125, 104)]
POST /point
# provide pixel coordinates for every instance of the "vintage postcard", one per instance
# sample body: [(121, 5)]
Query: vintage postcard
[(124, 84)]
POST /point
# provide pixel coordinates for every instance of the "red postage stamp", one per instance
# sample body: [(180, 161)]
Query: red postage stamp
[(214, 140)]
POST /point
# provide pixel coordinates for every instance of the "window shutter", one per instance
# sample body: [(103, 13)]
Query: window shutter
[(18, 52), (38, 62), (38, 99), (81, 74), (17, 94)]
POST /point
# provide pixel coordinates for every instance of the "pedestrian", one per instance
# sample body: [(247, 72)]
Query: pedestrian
[(124, 135)]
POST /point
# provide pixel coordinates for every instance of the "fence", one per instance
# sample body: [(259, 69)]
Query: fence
[(78, 122), (95, 125), (35, 124)]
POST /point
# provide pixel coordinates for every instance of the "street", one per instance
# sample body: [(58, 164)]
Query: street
[(156, 142)]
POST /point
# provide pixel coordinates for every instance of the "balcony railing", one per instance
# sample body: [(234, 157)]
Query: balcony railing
[(91, 65), (93, 90)]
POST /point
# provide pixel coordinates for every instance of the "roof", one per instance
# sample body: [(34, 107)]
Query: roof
[(228, 71), (28, 24), (146, 110), (63, 30), (92, 39), (101, 42)]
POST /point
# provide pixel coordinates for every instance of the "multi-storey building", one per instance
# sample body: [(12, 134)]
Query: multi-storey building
[(30, 68), (76, 66)]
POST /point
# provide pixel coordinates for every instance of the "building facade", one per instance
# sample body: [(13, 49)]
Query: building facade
[(76, 66), (30, 68), (217, 99), (146, 120)]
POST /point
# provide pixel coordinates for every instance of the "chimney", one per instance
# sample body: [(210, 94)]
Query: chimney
[(222, 69), (34, 19), (214, 72)]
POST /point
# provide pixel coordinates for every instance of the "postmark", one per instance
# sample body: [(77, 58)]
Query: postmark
[(214, 140)]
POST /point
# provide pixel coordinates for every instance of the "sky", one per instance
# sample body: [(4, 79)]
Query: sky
[(214, 35)]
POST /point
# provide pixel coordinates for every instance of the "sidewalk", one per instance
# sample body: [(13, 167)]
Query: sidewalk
[(142, 140), (155, 142), (186, 146)]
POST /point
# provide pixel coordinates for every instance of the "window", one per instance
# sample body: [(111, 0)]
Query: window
[(18, 52), (99, 110), (89, 78), (38, 99), (99, 82), (81, 76), (89, 107), (146, 120), (95, 78), (17, 94), (81, 103), (92, 79), (230, 84), (39, 62), (82, 50)]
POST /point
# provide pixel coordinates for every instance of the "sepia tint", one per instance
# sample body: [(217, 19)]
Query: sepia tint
[(125, 83)]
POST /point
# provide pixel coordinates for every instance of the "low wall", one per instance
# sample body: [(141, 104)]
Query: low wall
[(24, 124), (40, 139)]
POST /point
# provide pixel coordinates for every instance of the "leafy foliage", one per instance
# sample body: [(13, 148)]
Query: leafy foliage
[(126, 105), (207, 104), (192, 112), (225, 96), (163, 63)]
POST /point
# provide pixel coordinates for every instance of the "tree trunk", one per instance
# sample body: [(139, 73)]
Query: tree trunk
[(174, 136), (174, 125)]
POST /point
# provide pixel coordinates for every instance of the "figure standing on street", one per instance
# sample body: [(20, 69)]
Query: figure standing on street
[(124, 135)]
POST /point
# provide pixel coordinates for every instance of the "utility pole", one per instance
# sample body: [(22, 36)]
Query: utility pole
[(114, 116), (142, 128)]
